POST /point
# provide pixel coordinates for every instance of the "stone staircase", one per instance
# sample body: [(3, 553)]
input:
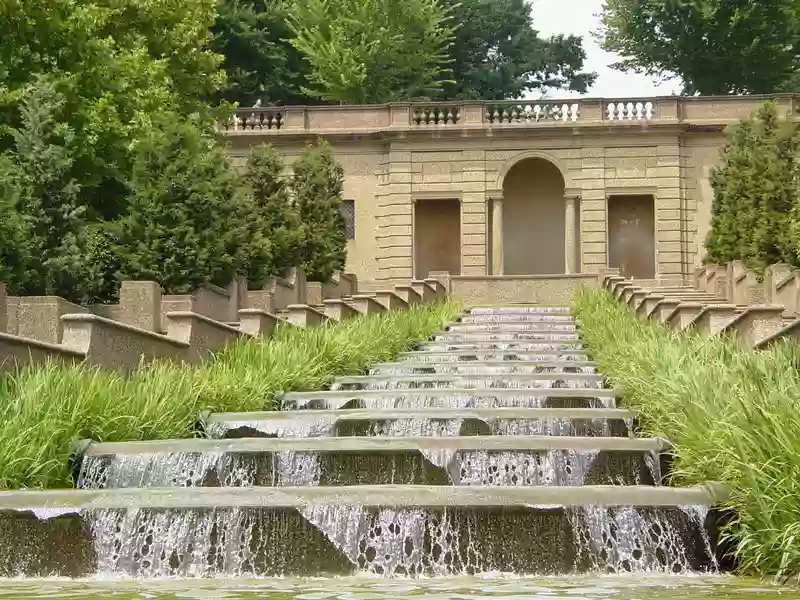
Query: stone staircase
[(494, 446)]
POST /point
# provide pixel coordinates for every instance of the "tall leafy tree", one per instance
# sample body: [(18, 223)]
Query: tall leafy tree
[(372, 51), (756, 192), (261, 63), (715, 46), (497, 54), (116, 64), (317, 192)]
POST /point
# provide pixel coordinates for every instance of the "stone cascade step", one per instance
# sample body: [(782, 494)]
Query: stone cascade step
[(493, 445), (581, 422), (483, 367), (367, 460)]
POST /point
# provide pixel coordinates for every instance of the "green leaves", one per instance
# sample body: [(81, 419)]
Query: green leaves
[(372, 51), (756, 193), (715, 46), (317, 191)]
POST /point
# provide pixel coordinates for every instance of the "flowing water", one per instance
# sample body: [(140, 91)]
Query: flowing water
[(490, 587)]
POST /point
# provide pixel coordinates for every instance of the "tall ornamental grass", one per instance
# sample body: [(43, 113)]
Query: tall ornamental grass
[(732, 413), (44, 408)]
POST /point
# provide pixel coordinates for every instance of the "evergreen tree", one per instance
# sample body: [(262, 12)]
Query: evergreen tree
[(189, 222), (276, 212), (317, 189), (755, 192)]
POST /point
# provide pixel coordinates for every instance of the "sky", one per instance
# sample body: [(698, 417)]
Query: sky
[(579, 17)]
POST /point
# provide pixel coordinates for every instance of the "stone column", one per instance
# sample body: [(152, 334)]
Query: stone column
[(570, 249), (497, 235)]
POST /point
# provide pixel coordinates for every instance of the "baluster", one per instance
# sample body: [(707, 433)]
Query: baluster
[(564, 113), (610, 109), (629, 110), (639, 111), (573, 112), (648, 110)]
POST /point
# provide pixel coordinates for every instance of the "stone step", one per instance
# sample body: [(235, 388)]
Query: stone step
[(524, 460), (446, 380), (580, 422), (512, 345), (379, 530), (473, 355), (484, 367), (492, 443), (520, 309), (517, 319), (509, 327), (502, 336), (49, 503), (451, 398)]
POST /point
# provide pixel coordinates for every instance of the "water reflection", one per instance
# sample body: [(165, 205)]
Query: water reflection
[(362, 588)]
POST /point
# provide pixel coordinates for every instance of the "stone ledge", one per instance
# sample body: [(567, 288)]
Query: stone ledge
[(17, 351), (362, 495), (302, 315), (256, 322), (117, 345), (201, 334)]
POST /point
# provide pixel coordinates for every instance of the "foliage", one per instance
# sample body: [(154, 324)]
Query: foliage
[(715, 46), (497, 54), (277, 214), (47, 244), (755, 192), (189, 221), (116, 64), (372, 51), (44, 409), (731, 414), (260, 61), (317, 189)]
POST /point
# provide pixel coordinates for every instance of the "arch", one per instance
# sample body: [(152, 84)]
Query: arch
[(522, 156), (534, 218)]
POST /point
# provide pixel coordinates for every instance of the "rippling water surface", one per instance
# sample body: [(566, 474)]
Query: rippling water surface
[(473, 588)]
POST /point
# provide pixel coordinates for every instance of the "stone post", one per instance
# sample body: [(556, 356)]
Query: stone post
[(497, 235)]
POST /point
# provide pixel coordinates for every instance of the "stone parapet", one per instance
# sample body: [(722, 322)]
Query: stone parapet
[(147, 325)]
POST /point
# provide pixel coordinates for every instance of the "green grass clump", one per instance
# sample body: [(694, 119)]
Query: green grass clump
[(45, 408), (732, 413)]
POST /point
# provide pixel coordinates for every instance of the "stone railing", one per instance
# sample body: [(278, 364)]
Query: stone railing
[(724, 299), (147, 325), (701, 111)]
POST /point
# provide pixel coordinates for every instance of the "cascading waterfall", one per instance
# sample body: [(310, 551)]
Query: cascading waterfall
[(413, 540)]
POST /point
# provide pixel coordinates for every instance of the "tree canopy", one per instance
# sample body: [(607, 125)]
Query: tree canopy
[(497, 54), (715, 46), (351, 51)]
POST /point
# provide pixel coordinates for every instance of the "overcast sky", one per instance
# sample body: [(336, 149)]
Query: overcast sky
[(578, 17)]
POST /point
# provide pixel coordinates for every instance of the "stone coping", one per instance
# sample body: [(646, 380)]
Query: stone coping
[(362, 495), (15, 340), (497, 443), (420, 413), (447, 392), (555, 364), (431, 377), (91, 318), (193, 316)]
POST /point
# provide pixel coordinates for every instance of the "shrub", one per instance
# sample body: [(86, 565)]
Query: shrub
[(276, 212), (317, 188), (755, 192), (189, 221)]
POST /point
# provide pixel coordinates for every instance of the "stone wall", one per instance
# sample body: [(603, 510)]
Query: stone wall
[(147, 325)]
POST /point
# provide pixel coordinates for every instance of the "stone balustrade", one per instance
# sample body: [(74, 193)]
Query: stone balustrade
[(146, 325), (701, 111), (725, 299)]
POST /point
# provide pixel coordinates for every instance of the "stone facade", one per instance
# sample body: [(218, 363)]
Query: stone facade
[(518, 188)]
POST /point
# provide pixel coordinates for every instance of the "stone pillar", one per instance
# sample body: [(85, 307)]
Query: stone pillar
[(570, 249), (497, 235)]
